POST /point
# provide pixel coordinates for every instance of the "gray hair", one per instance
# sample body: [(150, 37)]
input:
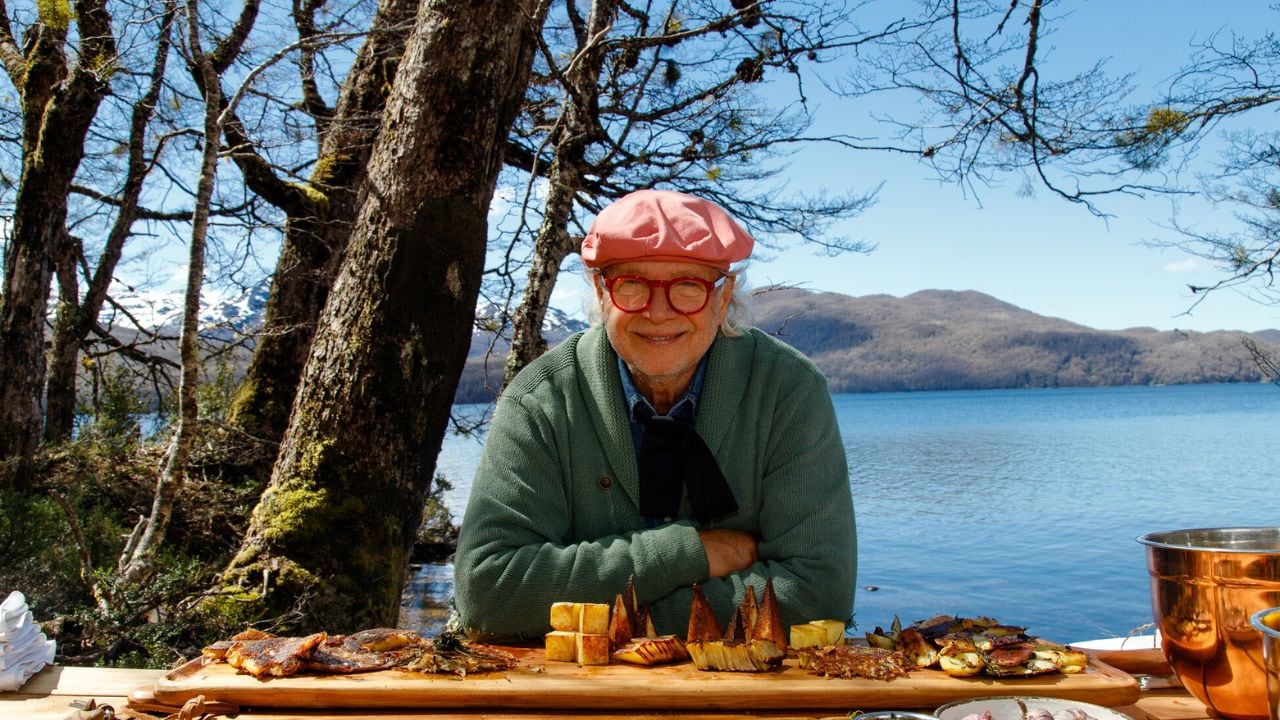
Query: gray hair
[(735, 319)]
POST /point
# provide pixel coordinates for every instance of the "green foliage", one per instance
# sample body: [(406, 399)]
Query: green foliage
[(37, 559), (106, 478), (1240, 258), (113, 409), (152, 624), (437, 535), (1166, 122), (435, 516), (217, 394)]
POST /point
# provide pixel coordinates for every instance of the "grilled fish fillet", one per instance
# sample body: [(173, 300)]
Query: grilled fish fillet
[(274, 656), (365, 651)]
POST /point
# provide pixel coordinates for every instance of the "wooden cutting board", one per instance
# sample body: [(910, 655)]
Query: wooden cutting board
[(536, 683)]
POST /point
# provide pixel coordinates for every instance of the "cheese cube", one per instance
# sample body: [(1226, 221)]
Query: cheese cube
[(835, 631), (593, 649), (808, 635), (565, 616), (594, 619), (562, 645)]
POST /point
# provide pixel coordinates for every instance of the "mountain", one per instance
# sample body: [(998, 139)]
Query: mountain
[(945, 340), (244, 309), (951, 340), (227, 309), (929, 340)]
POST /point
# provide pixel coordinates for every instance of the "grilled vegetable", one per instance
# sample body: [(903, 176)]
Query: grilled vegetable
[(917, 651), (620, 631), (960, 658), (755, 640), (969, 646), (652, 651)]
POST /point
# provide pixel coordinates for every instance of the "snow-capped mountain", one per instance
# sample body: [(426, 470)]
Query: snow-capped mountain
[(243, 310), (220, 308), (556, 323)]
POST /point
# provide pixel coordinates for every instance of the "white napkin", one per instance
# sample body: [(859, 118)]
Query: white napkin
[(18, 646), (24, 650), (13, 677), (22, 630), (12, 611)]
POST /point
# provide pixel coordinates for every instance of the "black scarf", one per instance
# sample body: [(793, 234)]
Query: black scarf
[(673, 459)]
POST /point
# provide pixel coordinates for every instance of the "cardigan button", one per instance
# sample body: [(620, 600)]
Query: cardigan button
[(606, 482)]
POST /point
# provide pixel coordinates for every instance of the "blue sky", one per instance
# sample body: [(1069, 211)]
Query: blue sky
[(1036, 251), (1041, 253)]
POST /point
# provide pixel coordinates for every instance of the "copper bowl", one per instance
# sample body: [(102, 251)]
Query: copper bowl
[(1205, 585), (1267, 622)]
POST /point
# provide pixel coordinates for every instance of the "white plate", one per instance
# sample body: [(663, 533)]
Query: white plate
[(1019, 707), (1131, 642)]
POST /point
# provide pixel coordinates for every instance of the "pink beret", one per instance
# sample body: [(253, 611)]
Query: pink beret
[(665, 225)]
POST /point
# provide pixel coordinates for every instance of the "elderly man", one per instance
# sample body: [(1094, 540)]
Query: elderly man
[(669, 445)]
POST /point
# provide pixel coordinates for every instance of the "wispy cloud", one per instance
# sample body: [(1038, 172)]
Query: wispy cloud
[(1181, 266)]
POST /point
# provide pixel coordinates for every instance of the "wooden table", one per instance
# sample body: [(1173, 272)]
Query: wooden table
[(48, 696)]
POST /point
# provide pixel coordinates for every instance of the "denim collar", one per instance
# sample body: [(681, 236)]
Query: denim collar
[(685, 409)]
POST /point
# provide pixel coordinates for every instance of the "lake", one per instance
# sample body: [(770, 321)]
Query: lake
[(1023, 505)]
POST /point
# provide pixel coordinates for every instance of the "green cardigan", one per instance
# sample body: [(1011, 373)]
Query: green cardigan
[(554, 508)]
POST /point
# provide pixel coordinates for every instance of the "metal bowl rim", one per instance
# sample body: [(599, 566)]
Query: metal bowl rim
[(1147, 539), (1256, 620), (1031, 699), (887, 714)]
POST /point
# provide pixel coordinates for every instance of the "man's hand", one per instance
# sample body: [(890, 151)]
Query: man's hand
[(728, 551)]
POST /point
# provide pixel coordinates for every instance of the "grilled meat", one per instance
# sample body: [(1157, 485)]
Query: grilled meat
[(854, 661), (274, 656), (365, 651), (218, 650)]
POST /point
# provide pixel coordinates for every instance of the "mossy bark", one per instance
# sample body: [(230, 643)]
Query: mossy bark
[(332, 534), (317, 232), (59, 101)]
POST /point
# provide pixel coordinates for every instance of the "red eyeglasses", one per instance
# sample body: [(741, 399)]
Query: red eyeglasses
[(685, 295)]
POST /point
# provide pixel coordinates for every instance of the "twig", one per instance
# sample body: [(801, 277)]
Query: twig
[(86, 562)]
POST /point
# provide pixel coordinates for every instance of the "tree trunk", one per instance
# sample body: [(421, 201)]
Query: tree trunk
[(58, 106), (332, 533), (137, 562), (60, 380), (76, 317), (316, 238), (553, 244)]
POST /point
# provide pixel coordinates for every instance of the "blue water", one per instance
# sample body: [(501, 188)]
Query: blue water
[(1025, 504)]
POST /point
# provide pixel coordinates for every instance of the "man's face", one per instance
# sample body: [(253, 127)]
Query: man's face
[(661, 346)]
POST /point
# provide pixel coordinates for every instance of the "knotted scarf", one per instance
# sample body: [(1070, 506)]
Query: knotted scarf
[(673, 460)]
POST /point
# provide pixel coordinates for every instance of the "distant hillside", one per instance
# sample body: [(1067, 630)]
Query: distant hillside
[(930, 340), (949, 340)]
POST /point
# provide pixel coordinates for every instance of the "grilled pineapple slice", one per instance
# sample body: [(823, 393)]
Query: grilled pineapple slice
[(652, 651)]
